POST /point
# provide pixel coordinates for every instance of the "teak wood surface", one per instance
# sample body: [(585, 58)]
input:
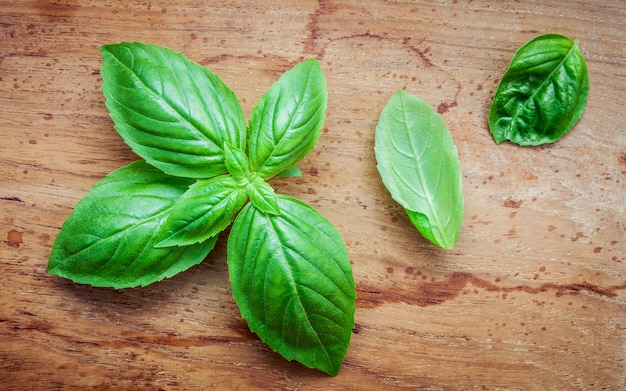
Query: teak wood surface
[(532, 297)]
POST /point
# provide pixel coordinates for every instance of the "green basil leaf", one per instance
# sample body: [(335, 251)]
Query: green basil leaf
[(109, 239), (260, 192), (206, 209), (236, 162), (419, 165), (262, 195), (542, 94), (287, 121), (172, 112), (292, 280), (293, 171)]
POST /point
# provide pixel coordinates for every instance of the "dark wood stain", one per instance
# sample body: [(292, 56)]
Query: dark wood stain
[(438, 292), (621, 159), (15, 199), (421, 53), (445, 106), (511, 203), (171, 339), (14, 238), (311, 43)]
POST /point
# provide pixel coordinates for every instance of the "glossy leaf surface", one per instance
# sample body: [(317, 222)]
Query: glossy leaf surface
[(287, 121), (172, 112), (418, 163), (542, 94), (260, 192), (108, 240), (293, 171), (262, 195), (236, 162), (292, 280), (207, 208)]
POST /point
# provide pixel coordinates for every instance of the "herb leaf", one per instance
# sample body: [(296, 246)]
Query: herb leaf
[(292, 280), (109, 238), (236, 162), (287, 121), (418, 163), (262, 195), (172, 112), (293, 171), (542, 94), (260, 192), (207, 208)]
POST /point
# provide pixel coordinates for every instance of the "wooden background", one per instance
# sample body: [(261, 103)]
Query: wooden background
[(533, 296)]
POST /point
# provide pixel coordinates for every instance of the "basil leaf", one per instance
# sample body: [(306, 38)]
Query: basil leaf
[(292, 280), (418, 163), (207, 208), (236, 162), (262, 195), (109, 239), (542, 94), (260, 192), (289, 172), (287, 121), (172, 112)]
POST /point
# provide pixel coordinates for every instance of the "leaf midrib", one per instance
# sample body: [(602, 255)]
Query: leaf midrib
[(420, 172), (175, 108), (282, 259), (291, 119), (541, 86)]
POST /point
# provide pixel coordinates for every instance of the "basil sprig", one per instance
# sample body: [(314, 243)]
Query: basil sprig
[(542, 94), (202, 170)]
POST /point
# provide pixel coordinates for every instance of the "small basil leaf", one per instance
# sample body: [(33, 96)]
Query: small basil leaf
[(262, 195), (293, 171), (260, 192), (287, 121), (236, 162), (108, 240), (292, 280), (542, 94), (418, 163), (172, 112), (206, 209)]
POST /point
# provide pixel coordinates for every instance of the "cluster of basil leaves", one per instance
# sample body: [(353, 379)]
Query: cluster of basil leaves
[(204, 170), (540, 98)]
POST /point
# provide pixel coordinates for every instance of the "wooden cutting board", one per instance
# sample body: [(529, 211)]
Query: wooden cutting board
[(533, 295)]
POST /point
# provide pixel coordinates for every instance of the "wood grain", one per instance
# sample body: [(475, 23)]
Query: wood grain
[(533, 296)]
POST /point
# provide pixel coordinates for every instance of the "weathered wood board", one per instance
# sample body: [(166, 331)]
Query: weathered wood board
[(533, 296)]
